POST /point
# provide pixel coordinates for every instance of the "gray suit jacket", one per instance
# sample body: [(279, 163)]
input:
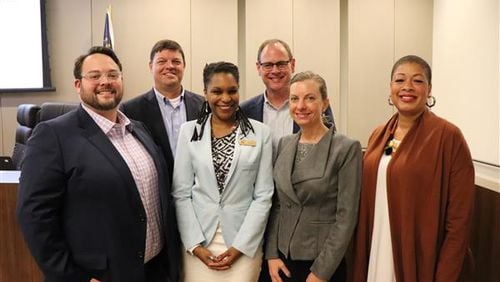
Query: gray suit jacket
[(316, 210)]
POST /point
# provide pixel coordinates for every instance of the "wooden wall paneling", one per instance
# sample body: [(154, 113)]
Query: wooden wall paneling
[(16, 262), (485, 237)]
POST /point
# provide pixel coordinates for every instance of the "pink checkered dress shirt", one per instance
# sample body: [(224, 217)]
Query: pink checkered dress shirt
[(143, 170)]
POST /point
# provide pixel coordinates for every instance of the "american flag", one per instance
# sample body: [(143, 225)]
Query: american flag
[(108, 39)]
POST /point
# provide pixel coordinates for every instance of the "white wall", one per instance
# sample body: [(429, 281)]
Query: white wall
[(365, 35), (466, 77), (370, 57), (378, 33)]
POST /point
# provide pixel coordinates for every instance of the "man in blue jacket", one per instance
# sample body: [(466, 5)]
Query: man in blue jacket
[(94, 197), (275, 65)]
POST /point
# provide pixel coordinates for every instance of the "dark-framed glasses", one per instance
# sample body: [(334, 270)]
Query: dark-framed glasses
[(96, 76), (281, 65)]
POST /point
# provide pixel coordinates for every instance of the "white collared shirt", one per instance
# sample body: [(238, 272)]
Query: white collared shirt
[(279, 120)]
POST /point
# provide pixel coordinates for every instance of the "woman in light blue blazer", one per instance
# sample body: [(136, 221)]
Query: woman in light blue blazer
[(222, 184), (317, 175)]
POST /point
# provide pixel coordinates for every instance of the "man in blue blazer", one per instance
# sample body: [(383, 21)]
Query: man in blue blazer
[(94, 201), (168, 105), (275, 65)]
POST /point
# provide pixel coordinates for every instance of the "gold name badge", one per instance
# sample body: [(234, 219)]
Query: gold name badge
[(246, 142)]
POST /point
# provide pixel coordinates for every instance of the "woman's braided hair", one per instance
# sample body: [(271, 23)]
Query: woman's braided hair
[(208, 73)]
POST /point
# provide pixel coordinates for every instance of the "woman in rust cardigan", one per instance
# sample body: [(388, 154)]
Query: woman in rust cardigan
[(418, 189)]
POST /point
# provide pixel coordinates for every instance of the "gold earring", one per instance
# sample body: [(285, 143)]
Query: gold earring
[(390, 101)]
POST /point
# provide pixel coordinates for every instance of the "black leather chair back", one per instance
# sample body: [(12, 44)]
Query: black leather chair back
[(52, 110), (27, 118)]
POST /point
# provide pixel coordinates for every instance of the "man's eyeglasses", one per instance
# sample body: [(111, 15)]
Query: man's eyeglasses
[(281, 65), (96, 76)]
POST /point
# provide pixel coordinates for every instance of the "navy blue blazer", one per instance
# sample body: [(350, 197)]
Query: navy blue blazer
[(145, 108), (79, 208), (254, 109)]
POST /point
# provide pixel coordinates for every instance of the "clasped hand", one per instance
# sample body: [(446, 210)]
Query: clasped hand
[(220, 262)]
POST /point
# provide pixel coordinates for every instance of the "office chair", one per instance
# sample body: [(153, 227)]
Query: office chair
[(27, 118)]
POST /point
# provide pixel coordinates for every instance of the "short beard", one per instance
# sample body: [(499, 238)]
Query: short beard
[(103, 106)]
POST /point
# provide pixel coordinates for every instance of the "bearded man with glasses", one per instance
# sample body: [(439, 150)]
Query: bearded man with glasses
[(94, 195)]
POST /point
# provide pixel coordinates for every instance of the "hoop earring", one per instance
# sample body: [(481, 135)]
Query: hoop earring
[(390, 101), (433, 101)]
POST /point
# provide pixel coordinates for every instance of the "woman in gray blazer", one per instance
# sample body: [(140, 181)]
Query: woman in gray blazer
[(317, 176), (222, 184)]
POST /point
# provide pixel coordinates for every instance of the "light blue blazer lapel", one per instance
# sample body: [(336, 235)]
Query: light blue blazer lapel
[(313, 165), (205, 149), (284, 166)]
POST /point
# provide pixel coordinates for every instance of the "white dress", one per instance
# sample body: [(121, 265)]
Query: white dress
[(381, 264)]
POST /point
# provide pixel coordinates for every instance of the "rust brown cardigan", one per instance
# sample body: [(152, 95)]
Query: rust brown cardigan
[(430, 191)]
